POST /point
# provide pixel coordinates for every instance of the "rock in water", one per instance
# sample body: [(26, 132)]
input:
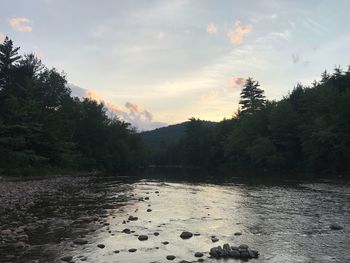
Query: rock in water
[(67, 258), (241, 252), (335, 227), (101, 246), (133, 218), (170, 257), (186, 235), (80, 241), (214, 239), (143, 237), (198, 254)]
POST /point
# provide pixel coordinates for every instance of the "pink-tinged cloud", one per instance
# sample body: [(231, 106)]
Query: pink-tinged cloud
[(235, 83), (160, 35), (132, 107), (2, 37), (211, 28), (132, 113), (20, 24), (237, 33)]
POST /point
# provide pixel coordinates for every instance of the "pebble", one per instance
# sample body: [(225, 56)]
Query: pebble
[(214, 239), (142, 237), (186, 235)]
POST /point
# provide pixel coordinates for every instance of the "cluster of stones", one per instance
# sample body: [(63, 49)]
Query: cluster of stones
[(227, 251)]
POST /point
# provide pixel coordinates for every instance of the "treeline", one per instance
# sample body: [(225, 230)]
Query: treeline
[(306, 131), (42, 127)]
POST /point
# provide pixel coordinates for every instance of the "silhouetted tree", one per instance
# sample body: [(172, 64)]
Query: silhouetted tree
[(252, 97)]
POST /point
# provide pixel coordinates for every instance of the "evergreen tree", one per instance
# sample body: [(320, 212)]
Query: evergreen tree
[(8, 56), (252, 97)]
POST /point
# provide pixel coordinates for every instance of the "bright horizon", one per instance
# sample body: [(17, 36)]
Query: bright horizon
[(162, 62)]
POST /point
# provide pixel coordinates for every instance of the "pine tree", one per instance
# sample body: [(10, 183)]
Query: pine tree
[(8, 56), (252, 97)]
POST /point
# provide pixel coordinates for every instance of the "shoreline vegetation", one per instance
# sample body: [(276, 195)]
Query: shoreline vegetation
[(44, 130)]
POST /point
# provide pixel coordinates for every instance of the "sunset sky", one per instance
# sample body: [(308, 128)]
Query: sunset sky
[(162, 62)]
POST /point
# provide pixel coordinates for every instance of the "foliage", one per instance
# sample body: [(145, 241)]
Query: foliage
[(306, 131), (42, 126)]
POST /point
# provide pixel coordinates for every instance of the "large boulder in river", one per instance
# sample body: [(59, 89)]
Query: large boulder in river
[(186, 235)]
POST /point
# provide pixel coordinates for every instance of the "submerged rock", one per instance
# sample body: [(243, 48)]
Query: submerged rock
[(101, 246), (198, 254), (132, 250)]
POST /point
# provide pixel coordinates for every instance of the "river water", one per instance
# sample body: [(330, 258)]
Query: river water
[(284, 221)]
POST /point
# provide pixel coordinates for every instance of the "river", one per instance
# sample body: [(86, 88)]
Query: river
[(286, 221)]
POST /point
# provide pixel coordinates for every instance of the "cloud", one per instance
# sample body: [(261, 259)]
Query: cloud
[(160, 35), (237, 33), (2, 37), (211, 28), (139, 117), (132, 107), (19, 24), (235, 83)]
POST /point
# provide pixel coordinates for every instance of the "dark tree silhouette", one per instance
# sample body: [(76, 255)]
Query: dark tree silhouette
[(8, 56), (252, 97)]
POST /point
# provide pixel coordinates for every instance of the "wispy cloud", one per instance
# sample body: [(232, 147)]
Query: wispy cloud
[(237, 33), (211, 28), (235, 83), (139, 117), (2, 37), (20, 24)]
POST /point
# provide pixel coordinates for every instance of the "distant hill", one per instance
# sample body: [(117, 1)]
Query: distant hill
[(158, 140)]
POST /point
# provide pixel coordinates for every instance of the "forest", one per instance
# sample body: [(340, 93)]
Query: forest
[(308, 131), (43, 129)]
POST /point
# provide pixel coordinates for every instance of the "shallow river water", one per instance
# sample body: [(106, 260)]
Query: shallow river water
[(285, 222)]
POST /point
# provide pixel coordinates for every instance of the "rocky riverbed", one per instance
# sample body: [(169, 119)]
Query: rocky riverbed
[(88, 219)]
